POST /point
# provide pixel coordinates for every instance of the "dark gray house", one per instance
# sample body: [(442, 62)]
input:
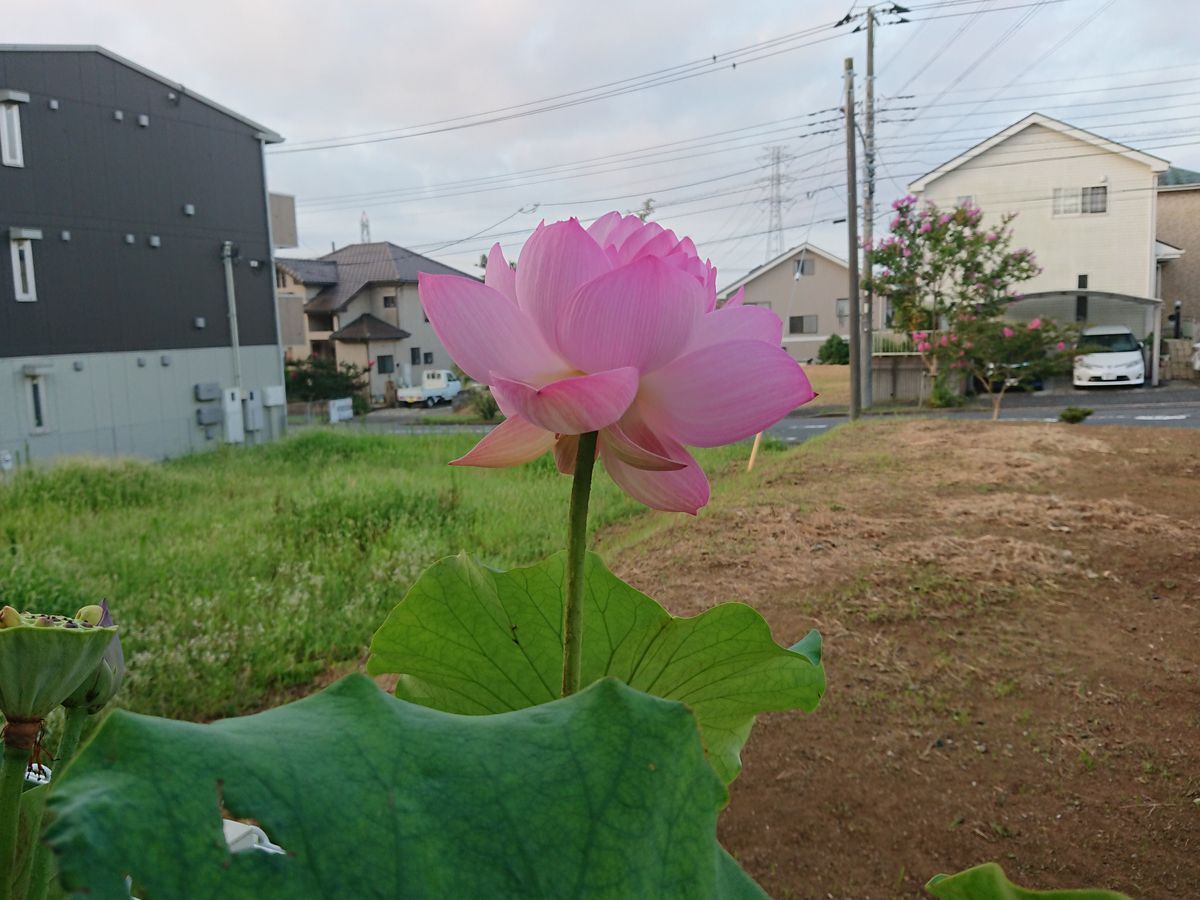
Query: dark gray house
[(137, 315)]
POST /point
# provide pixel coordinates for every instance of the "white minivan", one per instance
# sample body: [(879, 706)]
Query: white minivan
[(1112, 356)]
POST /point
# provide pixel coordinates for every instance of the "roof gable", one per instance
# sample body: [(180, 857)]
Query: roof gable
[(309, 271), (264, 134), (1155, 163), (780, 260), (359, 265)]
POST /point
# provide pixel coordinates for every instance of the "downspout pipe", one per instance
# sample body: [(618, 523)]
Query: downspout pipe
[(231, 299)]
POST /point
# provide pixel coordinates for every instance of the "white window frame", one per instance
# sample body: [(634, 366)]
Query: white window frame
[(25, 292), (806, 266), (36, 384), (12, 152), (840, 304), (965, 200)]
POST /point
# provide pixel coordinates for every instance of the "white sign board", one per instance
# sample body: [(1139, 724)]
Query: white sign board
[(341, 410)]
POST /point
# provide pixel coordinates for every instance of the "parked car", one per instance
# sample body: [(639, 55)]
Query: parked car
[(437, 385), (1109, 355)]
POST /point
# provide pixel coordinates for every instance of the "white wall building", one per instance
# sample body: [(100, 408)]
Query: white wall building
[(1085, 205)]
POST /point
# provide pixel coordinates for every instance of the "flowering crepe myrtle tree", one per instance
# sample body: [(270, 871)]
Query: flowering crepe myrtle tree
[(999, 355), (939, 263)]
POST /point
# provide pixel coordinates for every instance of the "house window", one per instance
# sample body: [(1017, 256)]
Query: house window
[(38, 414), (802, 324), (965, 200), (385, 365), (280, 278), (429, 359), (1066, 201), (805, 266), (843, 310), (1088, 200), (1094, 199), (1081, 311), (414, 356), (1081, 282), (11, 152), (22, 263), (389, 302)]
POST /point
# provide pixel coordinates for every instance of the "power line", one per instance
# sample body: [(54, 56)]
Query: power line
[(558, 172), (632, 153), (979, 60), (729, 59)]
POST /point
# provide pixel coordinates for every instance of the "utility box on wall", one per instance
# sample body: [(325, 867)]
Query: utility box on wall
[(252, 409), (231, 404)]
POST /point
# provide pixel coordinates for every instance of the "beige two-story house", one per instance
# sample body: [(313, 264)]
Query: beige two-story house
[(808, 288), (359, 304), (1088, 208), (1179, 234)]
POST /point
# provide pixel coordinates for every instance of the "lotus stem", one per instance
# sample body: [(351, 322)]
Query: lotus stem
[(572, 631), (39, 875), (12, 783)]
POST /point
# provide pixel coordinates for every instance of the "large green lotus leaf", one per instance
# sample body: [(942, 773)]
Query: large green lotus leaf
[(988, 882), (469, 639), (604, 794)]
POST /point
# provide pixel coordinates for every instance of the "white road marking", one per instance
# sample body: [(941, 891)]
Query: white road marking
[(1160, 418)]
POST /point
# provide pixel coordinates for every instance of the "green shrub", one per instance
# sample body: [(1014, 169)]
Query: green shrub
[(1073, 415), (484, 405), (834, 352)]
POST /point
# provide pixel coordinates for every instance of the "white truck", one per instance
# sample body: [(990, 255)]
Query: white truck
[(436, 385)]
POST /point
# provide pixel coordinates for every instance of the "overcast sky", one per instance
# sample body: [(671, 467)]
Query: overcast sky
[(315, 71)]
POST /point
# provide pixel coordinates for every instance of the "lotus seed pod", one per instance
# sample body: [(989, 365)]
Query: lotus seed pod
[(43, 659), (91, 614)]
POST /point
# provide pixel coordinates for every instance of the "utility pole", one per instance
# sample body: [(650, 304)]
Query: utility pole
[(852, 232), (869, 209)]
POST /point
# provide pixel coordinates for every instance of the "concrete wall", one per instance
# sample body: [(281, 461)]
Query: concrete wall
[(112, 406), (1114, 249), (1179, 224)]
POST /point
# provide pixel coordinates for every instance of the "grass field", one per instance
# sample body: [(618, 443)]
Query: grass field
[(241, 574)]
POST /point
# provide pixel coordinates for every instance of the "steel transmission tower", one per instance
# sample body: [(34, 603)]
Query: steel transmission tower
[(775, 204), (364, 229)]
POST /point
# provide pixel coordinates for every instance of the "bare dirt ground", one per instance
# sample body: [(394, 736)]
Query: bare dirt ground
[(1012, 638)]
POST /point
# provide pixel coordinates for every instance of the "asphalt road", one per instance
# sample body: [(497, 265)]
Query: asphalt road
[(1166, 407), (1152, 415)]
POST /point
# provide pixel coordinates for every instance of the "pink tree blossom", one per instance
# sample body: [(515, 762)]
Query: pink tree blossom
[(615, 329), (1008, 332), (1035, 324)]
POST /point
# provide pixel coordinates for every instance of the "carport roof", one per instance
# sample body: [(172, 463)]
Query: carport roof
[(1084, 292)]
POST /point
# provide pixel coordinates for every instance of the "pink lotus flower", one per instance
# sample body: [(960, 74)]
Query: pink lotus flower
[(1035, 324), (615, 329), (1007, 332)]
